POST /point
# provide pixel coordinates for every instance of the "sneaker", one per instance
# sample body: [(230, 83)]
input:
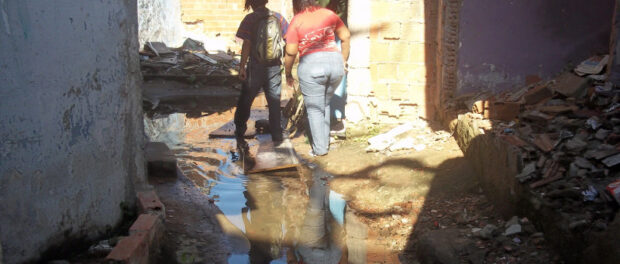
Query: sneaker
[(311, 153), (338, 129)]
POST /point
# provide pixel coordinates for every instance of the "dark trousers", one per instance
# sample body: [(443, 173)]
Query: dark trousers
[(270, 79)]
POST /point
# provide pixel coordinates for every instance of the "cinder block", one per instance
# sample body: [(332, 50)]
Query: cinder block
[(392, 30), (412, 72), (414, 31), (386, 71), (379, 51)]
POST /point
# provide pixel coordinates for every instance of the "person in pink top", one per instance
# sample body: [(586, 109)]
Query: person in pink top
[(312, 34)]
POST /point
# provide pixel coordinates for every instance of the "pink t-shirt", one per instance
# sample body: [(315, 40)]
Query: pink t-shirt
[(314, 31)]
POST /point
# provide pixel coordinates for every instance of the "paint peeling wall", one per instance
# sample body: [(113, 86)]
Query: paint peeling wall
[(70, 128), (502, 42), (160, 20)]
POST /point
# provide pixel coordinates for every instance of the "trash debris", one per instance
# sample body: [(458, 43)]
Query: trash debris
[(614, 189), (612, 160), (190, 62), (204, 57), (593, 65), (193, 46), (158, 48), (513, 230), (590, 194), (593, 122)]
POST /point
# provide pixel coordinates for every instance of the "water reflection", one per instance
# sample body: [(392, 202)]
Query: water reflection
[(288, 220)]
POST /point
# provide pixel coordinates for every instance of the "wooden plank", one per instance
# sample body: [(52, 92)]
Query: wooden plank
[(270, 158)]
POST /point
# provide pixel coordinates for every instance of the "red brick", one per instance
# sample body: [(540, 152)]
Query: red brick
[(506, 111), (543, 142), (148, 202), (146, 223), (131, 250), (514, 140), (537, 94), (532, 79)]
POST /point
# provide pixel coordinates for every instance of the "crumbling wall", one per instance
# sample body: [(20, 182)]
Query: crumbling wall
[(504, 42), (160, 20), (71, 124)]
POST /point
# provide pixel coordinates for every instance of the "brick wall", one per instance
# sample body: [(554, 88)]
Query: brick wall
[(397, 57), (218, 20), (395, 68)]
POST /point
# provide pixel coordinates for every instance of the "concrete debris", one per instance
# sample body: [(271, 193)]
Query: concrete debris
[(158, 48), (513, 221), (412, 135), (406, 143), (513, 230), (385, 140), (488, 231), (612, 160), (186, 63), (593, 65), (527, 172), (570, 85)]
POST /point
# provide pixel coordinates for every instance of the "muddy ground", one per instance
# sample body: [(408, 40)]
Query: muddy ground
[(417, 206)]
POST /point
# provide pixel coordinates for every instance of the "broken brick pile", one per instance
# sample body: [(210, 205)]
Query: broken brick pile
[(145, 234), (569, 135), (185, 63)]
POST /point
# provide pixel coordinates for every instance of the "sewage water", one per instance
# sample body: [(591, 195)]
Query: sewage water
[(269, 218)]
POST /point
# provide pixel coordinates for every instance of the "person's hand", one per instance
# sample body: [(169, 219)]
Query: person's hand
[(289, 80), (242, 74)]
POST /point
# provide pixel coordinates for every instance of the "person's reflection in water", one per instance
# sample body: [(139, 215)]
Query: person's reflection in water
[(264, 226), (321, 238)]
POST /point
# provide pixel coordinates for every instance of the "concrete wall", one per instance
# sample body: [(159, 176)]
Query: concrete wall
[(502, 42), (71, 123), (160, 20)]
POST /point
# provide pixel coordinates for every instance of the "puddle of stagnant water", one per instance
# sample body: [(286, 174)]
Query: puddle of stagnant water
[(281, 218)]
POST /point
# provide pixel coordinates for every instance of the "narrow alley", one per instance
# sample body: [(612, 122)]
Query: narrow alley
[(460, 131)]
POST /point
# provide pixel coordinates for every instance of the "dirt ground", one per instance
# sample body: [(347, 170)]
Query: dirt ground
[(406, 194), (418, 206)]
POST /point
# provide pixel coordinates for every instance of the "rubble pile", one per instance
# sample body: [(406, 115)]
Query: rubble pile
[(475, 232), (191, 59), (568, 131)]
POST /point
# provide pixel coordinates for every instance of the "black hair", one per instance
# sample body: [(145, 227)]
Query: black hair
[(254, 4), (302, 5)]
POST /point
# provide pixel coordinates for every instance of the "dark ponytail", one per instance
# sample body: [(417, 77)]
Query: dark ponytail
[(303, 5), (254, 4)]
